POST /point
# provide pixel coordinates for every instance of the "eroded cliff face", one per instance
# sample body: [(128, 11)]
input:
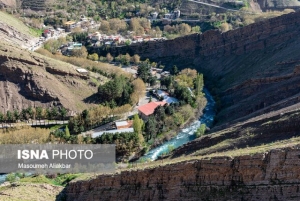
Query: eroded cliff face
[(270, 176), (249, 69), (28, 79)]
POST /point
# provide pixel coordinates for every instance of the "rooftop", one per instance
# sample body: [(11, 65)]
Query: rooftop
[(125, 130), (81, 70), (149, 108), (121, 123), (69, 22)]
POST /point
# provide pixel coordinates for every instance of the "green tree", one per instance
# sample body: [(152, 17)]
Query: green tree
[(51, 45), (151, 128), (63, 113), (201, 130), (16, 115), (48, 114), (24, 114), (1, 118), (138, 127), (9, 116), (198, 84), (174, 70), (167, 82), (152, 80), (67, 132), (93, 57), (30, 112), (59, 134), (39, 113), (54, 112), (178, 119), (11, 177), (143, 71), (196, 29)]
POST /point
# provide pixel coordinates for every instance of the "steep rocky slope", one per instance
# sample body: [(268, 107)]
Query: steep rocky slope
[(8, 3), (273, 175), (15, 32), (250, 69), (30, 79)]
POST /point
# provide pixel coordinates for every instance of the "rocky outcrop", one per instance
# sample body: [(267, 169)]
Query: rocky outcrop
[(269, 176)]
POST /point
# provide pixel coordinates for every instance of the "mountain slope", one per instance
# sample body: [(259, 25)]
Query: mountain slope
[(30, 79), (15, 32)]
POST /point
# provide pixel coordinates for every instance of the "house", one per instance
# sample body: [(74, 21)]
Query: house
[(123, 124), (96, 37), (60, 30), (164, 96), (69, 25), (165, 74), (168, 16), (169, 100), (161, 93), (71, 46), (146, 110), (176, 14), (82, 71), (125, 130), (47, 33), (154, 15)]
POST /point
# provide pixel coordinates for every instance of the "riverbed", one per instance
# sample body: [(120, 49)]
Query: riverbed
[(187, 134)]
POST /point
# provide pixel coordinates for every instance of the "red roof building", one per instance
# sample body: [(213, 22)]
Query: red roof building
[(148, 109)]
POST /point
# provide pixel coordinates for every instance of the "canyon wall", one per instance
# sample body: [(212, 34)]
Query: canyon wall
[(213, 43), (248, 69), (270, 176)]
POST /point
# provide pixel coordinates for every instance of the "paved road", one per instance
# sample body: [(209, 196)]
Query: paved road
[(212, 5), (216, 6)]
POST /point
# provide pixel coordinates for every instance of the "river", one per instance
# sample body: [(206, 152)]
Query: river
[(186, 134), (2, 178)]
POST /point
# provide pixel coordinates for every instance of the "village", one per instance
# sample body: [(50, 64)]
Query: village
[(97, 39)]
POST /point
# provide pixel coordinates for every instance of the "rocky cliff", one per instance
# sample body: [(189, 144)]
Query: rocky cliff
[(29, 79), (269, 176), (249, 69), (8, 3)]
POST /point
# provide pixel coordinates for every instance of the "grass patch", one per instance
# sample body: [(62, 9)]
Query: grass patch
[(60, 180), (36, 32)]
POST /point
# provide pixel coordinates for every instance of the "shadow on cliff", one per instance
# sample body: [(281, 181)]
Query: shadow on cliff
[(62, 196)]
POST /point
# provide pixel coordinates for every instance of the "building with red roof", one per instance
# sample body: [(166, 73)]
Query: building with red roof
[(146, 110)]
